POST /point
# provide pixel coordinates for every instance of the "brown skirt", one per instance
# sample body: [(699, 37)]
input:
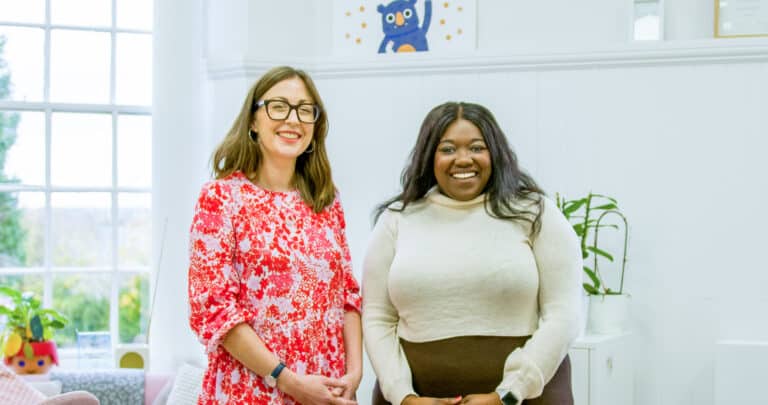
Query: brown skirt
[(472, 365)]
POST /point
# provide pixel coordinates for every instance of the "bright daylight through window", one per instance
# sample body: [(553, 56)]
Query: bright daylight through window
[(75, 164)]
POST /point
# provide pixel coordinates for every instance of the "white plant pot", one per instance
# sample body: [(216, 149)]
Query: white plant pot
[(608, 314)]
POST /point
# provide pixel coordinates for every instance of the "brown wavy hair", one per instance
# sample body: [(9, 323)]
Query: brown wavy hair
[(237, 152)]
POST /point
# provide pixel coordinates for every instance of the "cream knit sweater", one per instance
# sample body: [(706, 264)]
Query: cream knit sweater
[(445, 268)]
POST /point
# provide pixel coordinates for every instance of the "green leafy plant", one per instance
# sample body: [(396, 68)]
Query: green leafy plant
[(586, 216), (26, 322)]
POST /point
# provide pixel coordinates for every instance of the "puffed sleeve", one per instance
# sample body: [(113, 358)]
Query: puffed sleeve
[(558, 258), (352, 298), (214, 285), (380, 317)]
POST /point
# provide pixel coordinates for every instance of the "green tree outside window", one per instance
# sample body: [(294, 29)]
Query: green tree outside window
[(12, 235)]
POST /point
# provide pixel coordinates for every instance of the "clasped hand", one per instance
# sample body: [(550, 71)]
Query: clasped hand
[(472, 399), (321, 390)]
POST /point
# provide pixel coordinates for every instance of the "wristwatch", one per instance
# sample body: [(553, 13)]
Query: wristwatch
[(271, 379), (507, 397)]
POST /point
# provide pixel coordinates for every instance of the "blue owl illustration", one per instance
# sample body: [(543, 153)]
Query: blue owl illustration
[(400, 24)]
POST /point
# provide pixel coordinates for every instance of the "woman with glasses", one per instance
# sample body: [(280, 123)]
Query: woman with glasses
[(472, 277), (271, 289)]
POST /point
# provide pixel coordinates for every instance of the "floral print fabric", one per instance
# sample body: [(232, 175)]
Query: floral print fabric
[(266, 259)]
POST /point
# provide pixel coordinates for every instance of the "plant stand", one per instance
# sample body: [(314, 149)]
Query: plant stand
[(608, 314)]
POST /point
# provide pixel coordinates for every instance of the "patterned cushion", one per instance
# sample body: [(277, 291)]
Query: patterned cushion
[(110, 386)]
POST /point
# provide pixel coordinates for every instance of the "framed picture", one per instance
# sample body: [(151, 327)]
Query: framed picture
[(741, 18), (370, 27), (648, 20)]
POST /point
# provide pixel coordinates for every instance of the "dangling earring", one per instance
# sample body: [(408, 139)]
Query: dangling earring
[(311, 148), (254, 135)]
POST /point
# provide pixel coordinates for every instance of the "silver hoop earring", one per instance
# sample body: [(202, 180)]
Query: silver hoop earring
[(310, 149), (254, 135)]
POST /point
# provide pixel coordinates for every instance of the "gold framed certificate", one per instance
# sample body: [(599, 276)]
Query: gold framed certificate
[(741, 18)]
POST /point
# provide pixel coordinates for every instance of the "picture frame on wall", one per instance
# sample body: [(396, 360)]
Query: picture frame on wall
[(741, 18), (376, 27), (647, 20)]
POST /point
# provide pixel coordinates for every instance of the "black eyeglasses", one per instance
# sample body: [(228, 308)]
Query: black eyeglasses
[(279, 110)]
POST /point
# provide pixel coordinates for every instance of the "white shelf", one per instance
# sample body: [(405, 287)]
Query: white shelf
[(641, 53)]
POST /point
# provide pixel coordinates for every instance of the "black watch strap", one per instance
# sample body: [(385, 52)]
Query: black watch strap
[(509, 399), (279, 369)]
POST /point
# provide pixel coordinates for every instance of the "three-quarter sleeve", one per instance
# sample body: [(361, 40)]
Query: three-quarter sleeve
[(214, 283), (558, 259), (380, 317), (352, 298)]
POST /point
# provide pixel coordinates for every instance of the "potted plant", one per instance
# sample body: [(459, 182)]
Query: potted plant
[(26, 339), (608, 306)]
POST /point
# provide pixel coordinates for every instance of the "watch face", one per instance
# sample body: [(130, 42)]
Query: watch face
[(271, 381)]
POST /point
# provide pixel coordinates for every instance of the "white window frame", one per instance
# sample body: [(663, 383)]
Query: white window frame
[(48, 108)]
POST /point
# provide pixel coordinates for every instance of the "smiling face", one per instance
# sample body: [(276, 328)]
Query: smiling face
[(32, 365), (398, 17), (462, 161), (284, 139)]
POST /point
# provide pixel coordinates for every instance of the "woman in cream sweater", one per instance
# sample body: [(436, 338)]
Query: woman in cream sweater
[(471, 284)]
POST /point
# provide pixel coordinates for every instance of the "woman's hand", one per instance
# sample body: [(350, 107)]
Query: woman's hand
[(482, 399), (414, 400), (351, 383), (313, 389)]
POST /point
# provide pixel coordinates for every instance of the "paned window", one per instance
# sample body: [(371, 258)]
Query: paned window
[(75, 162)]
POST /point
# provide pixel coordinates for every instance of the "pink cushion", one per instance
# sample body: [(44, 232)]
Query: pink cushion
[(14, 390), (153, 384)]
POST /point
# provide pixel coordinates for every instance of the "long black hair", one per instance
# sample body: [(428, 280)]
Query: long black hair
[(508, 182)]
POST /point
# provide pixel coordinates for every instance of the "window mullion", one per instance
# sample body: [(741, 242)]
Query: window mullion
[(114, 312), (72, 27), (114, 294), (48, 239)]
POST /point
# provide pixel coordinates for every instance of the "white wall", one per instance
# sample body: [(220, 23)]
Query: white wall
[(675, 131), (178, 160), (685, 164), (689, 19)]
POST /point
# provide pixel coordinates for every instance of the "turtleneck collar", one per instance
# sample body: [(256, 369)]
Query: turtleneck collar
[(434, 195)]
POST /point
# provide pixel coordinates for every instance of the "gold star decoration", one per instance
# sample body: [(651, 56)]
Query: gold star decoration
[(446, 4), (362, 8), (448, 37), (442, 21), (364, 25)]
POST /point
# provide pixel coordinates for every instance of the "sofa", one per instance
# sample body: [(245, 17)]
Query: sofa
[(125, 386)]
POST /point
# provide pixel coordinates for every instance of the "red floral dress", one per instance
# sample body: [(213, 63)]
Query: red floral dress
[(265, 258)]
